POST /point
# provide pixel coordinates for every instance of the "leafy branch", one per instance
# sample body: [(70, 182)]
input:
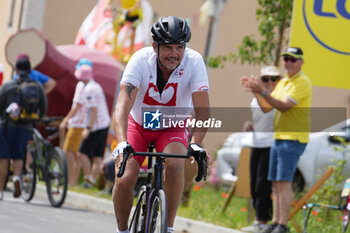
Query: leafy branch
[(275, 17)]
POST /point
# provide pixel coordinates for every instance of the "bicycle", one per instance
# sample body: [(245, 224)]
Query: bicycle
[(45, 163), (340, 142), (343, 206), (150, 214)]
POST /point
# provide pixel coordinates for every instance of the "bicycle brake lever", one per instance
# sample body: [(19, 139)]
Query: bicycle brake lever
[(202, 166), (122, 167), (127, 151)]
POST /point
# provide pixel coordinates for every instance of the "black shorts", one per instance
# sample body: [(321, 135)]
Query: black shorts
[(110, 170), (94, 145)]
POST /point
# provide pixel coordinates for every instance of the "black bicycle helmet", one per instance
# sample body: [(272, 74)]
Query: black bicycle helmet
[(171, 30)]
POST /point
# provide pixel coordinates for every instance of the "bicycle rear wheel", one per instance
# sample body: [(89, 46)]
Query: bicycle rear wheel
[(57, 177), (158, 218), (138, 218), (28, 177)]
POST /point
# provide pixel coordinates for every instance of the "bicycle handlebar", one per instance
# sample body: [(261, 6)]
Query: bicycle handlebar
[(201, 159), (47, 120)]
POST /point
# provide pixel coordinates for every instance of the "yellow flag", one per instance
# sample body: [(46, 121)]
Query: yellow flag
[(204, 13), (322, 29)]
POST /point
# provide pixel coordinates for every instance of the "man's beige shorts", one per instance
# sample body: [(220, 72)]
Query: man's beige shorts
[(73, 139)]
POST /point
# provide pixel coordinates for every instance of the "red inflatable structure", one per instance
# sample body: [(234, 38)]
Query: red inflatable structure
[(59, 63)]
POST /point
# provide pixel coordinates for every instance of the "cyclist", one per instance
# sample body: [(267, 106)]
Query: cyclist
[(166, 74)]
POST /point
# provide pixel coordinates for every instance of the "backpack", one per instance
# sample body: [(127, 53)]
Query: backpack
[(28, 99)]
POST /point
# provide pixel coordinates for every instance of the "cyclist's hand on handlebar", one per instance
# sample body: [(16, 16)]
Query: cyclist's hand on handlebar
[(202, 158), (196, 148), (121, 154), (118, 153)]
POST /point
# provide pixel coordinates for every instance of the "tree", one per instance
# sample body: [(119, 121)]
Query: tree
[(275, 17)]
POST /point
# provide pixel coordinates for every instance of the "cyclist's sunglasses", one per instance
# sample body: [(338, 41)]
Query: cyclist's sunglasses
[(291, 59), (273, 79)]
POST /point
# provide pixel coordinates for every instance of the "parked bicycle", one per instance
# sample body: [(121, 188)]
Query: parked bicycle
[(150, 214), (45, 163), (341, 142)]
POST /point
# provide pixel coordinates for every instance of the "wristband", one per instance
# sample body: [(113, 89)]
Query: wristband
[(193, 150), (88, 128), (195, 147), (264, 93), (119, 149)]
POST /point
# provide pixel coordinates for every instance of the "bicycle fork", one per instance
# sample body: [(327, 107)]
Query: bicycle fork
[(158, 184)]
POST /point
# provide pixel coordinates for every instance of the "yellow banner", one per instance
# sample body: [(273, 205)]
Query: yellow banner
[(322, 29)]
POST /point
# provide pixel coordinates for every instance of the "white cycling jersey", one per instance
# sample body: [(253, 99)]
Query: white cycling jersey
[(189, 77)]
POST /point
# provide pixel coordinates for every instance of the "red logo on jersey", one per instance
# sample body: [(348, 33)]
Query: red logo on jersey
[(168, 97), (203, 88), (181, 71)]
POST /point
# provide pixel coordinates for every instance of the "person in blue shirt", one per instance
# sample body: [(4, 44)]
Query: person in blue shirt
[(48, 83)]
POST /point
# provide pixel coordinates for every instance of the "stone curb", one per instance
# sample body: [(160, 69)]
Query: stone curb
[(84, 201)]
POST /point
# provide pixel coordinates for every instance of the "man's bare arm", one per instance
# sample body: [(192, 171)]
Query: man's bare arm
[(268, 102), (126, 99), (202, 111), (49, 85)]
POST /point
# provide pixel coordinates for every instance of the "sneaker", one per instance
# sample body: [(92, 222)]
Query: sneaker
[(269, 228), (255, 227), (89, 179), (27, 178), (170, 230), (1, 196), (87, 185), (280, 229), (17, 187)]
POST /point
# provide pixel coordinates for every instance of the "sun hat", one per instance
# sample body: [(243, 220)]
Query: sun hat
[(269, 71), (83, 61), (294, 52), (22, 55), (84, 73)]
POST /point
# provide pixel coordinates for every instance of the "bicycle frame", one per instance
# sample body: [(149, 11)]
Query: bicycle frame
[(155, 199), (152, 189), (157, 170), (42, 147)]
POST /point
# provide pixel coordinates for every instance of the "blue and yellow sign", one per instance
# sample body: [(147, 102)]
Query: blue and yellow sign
[(322, 29)]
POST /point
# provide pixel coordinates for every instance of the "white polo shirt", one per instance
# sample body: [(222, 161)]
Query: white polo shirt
[(79, 118), (95, 97)]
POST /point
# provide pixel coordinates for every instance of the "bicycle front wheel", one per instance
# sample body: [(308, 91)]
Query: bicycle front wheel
[(139, 216), (28, 177), (57, 177), (158, 218)]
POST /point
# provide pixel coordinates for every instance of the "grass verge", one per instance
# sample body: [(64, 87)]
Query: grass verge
[(206, 203)]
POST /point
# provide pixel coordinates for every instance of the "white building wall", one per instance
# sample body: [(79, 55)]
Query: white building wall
[(33, 14)]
